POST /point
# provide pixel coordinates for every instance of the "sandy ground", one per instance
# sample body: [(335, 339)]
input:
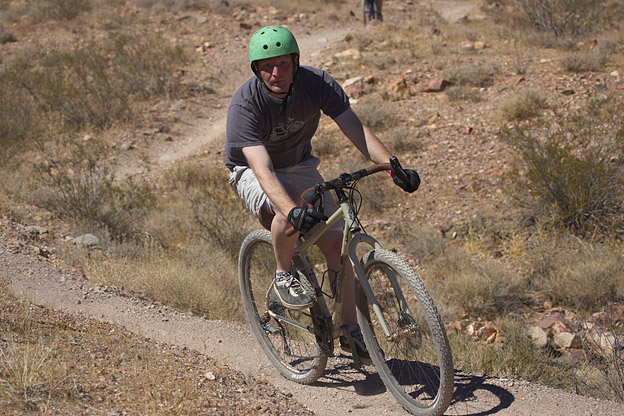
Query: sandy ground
[(342, 390)]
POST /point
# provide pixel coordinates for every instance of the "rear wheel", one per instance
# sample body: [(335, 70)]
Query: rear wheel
[(414, 357), (369, 10), (291, 349)]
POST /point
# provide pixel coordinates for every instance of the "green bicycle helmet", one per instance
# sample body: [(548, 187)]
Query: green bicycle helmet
[(271, 41)]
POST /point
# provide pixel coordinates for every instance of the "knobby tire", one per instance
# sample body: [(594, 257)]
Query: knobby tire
[(415, 362), (293, 351)]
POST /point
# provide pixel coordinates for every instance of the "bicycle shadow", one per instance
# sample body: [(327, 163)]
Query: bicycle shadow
[(477, 395), (342, 374), (474, 395)]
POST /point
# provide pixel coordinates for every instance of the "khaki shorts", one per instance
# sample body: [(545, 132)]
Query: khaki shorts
[(301, 177)]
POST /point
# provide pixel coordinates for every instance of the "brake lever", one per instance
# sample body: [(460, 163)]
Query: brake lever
[(397, 169)]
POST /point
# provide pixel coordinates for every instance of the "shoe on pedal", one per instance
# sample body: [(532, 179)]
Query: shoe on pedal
[(290, 291), (360, 346)]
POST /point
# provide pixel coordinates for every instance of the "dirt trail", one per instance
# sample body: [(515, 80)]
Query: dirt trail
[(453, 11), (342, 390), (210, 134)]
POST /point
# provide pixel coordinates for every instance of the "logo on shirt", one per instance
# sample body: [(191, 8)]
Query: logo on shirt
[(284, 129)]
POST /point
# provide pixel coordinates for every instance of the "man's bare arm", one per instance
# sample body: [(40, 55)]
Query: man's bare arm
[(262, 166), (362, 137)]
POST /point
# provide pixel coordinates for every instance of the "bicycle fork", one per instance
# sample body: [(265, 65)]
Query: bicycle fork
[(361, 279)]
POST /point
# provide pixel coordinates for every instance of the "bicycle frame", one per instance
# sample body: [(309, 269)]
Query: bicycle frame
[(351, 239)]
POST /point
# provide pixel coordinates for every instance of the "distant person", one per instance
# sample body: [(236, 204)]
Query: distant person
[(270, 123), (379, 4)]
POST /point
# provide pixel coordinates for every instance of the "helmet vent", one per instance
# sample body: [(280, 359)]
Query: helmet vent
[(278, 44), (265, 47)]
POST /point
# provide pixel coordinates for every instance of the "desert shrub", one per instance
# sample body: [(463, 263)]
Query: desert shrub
[(477, 287), (377, 116), (328, 140), (77, 184), (174, 5), (602, 343), (400, 139), (6, 36), (219, 215), (481, 75), (29, 371), (201, 279), (18, 120), (463, 93), (587, 280), (419, 241), (564, 17), (94, 85), (516, 357), (523, 105), (574, 164), (40, 10), (594, 60)]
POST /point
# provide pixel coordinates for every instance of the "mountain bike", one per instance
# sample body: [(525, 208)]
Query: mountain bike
[(369, 10), (400, 324)]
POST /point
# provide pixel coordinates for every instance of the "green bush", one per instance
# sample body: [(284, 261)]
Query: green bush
[(574, 164)]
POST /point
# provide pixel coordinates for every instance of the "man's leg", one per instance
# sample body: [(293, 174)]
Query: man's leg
[(330, 244), (282, 244)]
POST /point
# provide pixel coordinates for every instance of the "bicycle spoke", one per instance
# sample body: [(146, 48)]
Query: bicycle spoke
[(291, 348), (408, 358)]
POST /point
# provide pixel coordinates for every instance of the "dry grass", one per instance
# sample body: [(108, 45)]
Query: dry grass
[(54, 363), (474, 287), (585, 281), (525, 104), (185, 257), (202, 281)]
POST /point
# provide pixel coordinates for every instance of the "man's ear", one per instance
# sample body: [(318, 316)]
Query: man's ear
[(295, 61)]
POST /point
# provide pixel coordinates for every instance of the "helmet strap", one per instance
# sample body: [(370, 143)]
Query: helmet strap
[(282, 111)]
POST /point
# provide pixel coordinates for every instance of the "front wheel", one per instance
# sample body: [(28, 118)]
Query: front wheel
[(408, 346), (291, 349)]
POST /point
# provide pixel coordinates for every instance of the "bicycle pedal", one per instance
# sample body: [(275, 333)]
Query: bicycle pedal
[(271, 329)]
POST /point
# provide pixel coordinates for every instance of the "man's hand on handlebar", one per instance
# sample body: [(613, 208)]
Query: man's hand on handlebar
[(304, 218), (406, 179), (411, 182)]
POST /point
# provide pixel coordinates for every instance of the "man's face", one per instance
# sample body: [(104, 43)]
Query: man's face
[(278, 72)]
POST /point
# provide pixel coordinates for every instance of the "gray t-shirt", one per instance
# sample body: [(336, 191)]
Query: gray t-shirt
[(253, 118)]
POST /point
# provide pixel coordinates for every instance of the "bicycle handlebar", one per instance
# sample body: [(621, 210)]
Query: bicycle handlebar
[(311, 195)]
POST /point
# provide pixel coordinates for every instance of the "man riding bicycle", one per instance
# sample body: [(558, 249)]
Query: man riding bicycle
[(271, 121)]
